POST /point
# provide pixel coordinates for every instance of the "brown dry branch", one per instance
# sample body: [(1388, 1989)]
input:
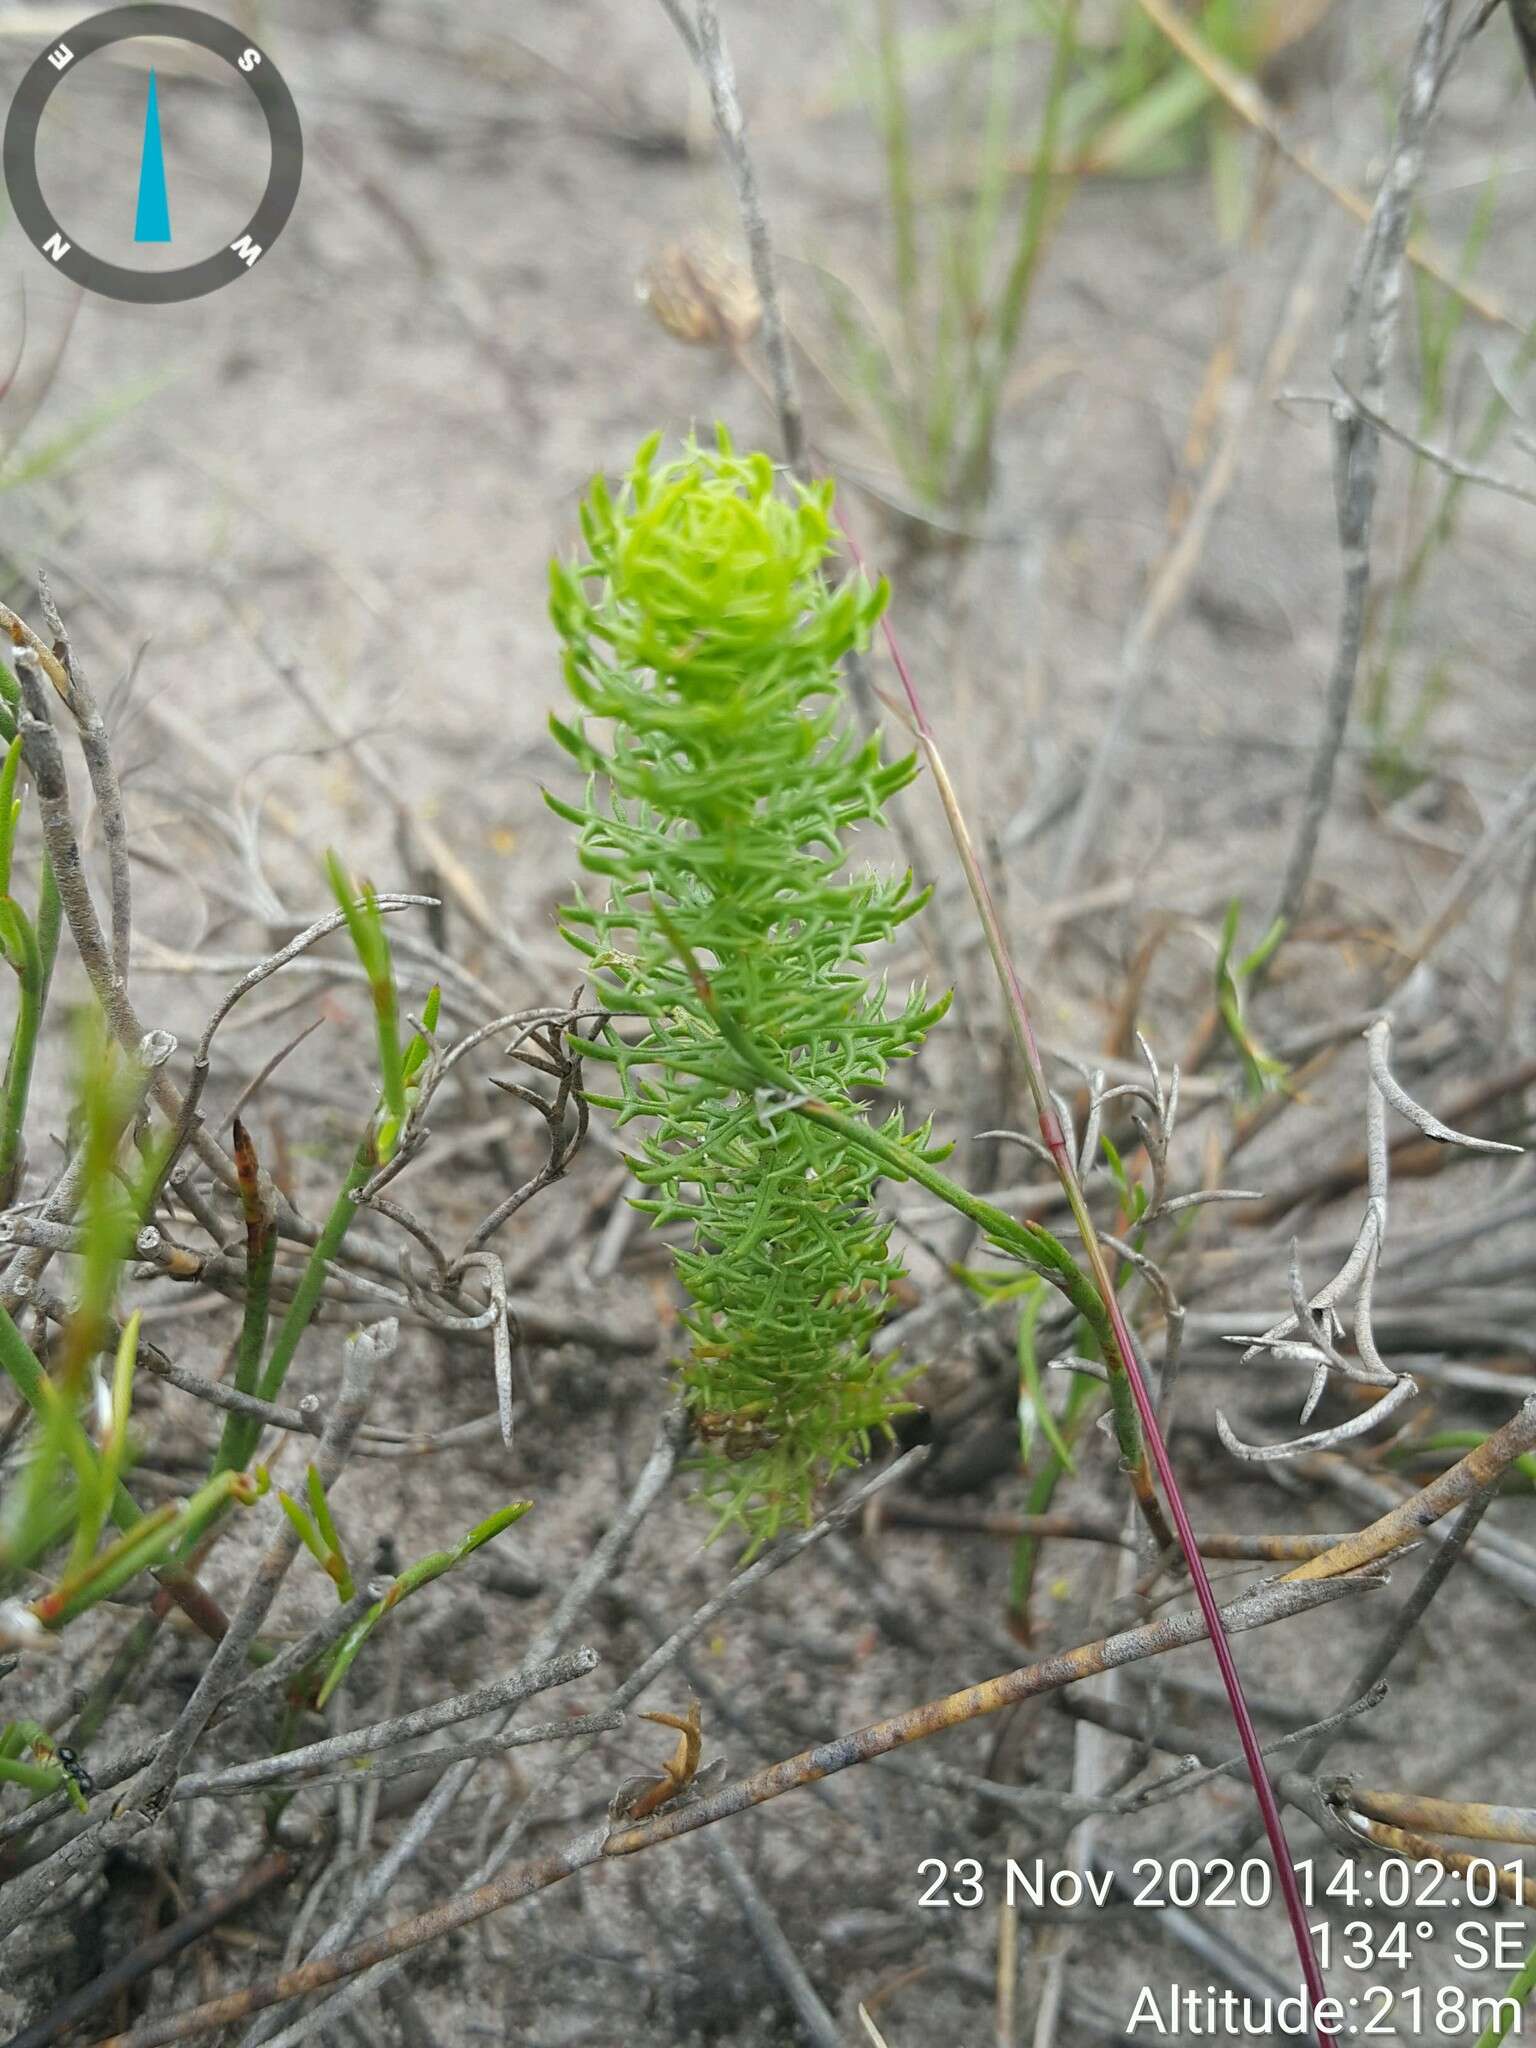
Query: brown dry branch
[(598, 1572), (1497, 1556), (662, 1659), (1419, 1848), (1453, 1489), (1442, 1816), (148, 1955), (1224, 1544), (1257, 1609)]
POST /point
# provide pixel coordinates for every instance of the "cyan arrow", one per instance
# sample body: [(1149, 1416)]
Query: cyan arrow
[(153, 220)]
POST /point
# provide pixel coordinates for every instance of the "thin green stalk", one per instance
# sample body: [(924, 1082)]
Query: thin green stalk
[(39, 1778), (411, 1580), (19, 1063), (366, 928), (20, 1366), (1435, 338), (307, 1295), (1031, 1387), (23, 945), (148, 1540), (317, 1531), (1460, 1440), (1036, 1247), (399, 1066), (992, 179)]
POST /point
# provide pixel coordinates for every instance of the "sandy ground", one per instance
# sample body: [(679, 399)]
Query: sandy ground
[(355, 466)]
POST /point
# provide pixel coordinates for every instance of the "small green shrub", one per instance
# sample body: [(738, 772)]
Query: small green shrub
[(703, 624)]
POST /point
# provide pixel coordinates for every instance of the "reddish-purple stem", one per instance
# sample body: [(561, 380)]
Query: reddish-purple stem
[(1051, 1133)]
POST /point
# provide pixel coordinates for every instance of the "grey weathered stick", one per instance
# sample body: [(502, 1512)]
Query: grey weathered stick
[(366, 1351), (45, 763), (597, 1571), (375, 1771), (218, 1394), (1257, 1609), (706, 46), (313, 1643), (1439, 458), (661, 1659), (381, 1735), (29, 1263), (105, 787), (62, 2022), (818, 2025), (254, 1691), (435, 850), (1510, 823), (322, 927), (1356, 442), (1177, 1784)]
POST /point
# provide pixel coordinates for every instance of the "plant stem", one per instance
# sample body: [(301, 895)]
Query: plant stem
[(1121, 1358), (18, 1073), (260, 1256), (1044, 1255), (307, 1294), (242, 1437), (20, 1366), (40, 945)]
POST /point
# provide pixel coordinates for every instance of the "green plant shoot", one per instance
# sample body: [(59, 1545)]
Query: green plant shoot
[(399, 1079), (1260, 1071), (702, 623), (411, 1580), (318, 1533)]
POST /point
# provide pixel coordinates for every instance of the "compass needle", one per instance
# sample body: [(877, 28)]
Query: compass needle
[(152, 222)]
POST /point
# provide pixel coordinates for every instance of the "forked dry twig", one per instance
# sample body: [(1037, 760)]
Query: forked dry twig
[(1308, 1335)]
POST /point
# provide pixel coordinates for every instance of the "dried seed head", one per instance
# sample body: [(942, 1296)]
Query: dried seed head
[(701, 294)]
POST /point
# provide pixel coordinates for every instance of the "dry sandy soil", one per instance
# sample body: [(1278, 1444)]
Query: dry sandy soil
[(322, 517)]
